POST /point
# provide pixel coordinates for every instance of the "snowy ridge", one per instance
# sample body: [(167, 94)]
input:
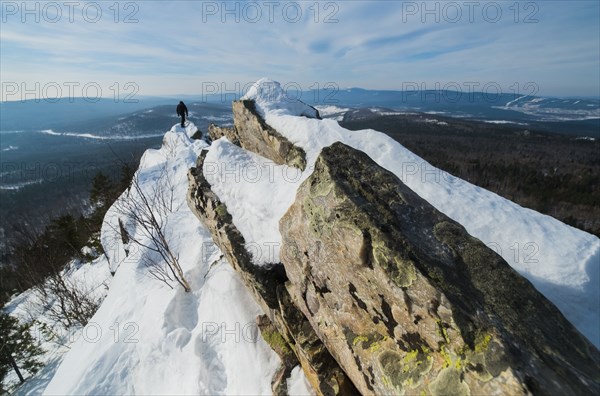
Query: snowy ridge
[(169, 341), (561, 261), (147, 338), (270, 97)]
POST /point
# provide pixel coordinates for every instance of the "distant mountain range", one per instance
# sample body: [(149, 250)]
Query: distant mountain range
[(573, 116)]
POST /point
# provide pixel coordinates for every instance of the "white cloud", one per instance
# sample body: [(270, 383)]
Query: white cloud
[(175, 47)]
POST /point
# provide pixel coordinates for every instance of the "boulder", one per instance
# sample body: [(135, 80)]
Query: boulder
[(254, 134), (284, 326), (196, 135), (408, 302), (215, 132)]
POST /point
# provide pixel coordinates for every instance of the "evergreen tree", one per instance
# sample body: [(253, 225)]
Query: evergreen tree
[(64, 236), (102, 190), (127, 173), (18, 349)]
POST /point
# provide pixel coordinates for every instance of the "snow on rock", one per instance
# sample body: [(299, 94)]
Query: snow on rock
[(297, 383), (270, 97), (147, 338), (561, 261), (332, 112), (257, 193)]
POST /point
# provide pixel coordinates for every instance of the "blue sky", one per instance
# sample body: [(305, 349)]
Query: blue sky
[(174, 47)]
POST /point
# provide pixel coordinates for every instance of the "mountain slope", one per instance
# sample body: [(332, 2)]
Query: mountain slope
[(155, 340), (205, 341)]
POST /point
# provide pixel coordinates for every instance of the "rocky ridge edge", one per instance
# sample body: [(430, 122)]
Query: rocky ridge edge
[(421, 325)]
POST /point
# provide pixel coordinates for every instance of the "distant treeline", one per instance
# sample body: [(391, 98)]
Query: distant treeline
[(33, 256), (553, 174)]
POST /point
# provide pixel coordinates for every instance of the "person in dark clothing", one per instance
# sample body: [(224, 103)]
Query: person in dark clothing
[(182, 112)]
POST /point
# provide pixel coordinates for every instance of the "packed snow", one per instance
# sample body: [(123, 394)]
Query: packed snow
[(561, 261), (93, 278), (271, 98), (147, 338), (257, 193)]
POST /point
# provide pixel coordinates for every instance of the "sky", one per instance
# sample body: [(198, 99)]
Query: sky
[(148, 48)]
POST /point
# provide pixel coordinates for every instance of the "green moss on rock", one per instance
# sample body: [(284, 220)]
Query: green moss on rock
[(221, 210), (276, 342)]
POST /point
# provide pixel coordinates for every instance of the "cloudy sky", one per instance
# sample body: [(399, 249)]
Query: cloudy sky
[(186, 47)]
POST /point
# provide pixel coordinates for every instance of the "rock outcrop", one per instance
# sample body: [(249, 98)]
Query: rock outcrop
[(284, 326), (380, 288), (408, 302), (216, 132), (281, 347), (196, 135), (252, 133)]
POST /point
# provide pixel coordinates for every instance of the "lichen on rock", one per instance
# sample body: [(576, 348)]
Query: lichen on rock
[(283, 327), (408, 302)]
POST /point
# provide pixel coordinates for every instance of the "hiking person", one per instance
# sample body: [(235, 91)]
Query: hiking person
[(182, 111)]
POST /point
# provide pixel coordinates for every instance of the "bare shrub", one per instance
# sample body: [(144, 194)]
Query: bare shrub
[(149, 213)]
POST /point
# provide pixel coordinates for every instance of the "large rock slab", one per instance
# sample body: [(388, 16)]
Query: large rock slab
[(283, 323), (252, 133), (408, 302)]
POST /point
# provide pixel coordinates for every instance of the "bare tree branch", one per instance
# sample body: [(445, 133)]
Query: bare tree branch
[(149, 213)]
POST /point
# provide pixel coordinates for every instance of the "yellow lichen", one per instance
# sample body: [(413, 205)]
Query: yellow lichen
[(276, 341), (412, 355), (442, 331), (482, 345), (221, 209), (458, 364), (446, 356), (386, 381), (359, 339)]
